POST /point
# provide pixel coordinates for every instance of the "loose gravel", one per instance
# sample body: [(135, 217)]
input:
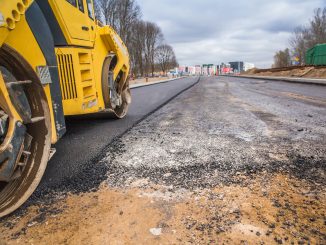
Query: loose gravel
[(219, 143)]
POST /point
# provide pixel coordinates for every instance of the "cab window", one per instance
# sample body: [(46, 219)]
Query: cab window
[(72, 2), (90, 9), (81, 5)]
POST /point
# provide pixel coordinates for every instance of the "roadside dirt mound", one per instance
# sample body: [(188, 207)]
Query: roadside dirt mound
[(305, 71), (251, 71)]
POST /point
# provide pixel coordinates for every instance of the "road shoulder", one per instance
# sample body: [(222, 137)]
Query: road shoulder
[(314, 81)]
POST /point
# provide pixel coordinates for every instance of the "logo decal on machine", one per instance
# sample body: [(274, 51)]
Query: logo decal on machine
[(44, 74), (2, 20), (89, 104)]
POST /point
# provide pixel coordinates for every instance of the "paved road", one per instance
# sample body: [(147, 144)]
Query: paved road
[(88, 135), (230, 159), (223, 126), (279, 88), (284, 110)]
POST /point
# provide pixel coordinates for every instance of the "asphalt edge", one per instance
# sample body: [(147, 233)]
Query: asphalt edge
[(38, 197), (104, 150), (153, 83), (286, 79)]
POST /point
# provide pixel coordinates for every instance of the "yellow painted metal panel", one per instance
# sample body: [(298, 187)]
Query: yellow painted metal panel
[(80, 69), (20, 38), (11, 13), (77, 80), (113, 42), (74, 24)]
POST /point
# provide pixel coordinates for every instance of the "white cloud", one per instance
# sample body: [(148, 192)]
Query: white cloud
[(212, 31)]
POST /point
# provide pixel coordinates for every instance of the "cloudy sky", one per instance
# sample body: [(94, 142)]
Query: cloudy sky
[(213, 31)]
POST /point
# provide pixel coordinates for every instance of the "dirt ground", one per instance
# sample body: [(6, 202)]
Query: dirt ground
[(309, 72), (263, 210), (223, 163)]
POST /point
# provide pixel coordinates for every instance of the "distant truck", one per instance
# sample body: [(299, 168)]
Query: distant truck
[(317, 55)]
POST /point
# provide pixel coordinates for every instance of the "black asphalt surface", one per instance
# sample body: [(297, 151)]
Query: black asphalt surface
[(88, 135), (77, 165)]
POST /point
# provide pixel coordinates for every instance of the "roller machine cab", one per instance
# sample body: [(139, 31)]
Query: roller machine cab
[(55, 60)]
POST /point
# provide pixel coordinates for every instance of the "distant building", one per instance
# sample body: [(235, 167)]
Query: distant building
[(209, 70), (182, 69), (214, 70), (225, 69), (237, 66), (198, 70), (187, 70), (240, 66), (247, 66), (192, 70)]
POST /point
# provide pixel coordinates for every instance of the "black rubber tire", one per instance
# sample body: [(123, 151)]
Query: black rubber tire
[(108, 66), (16, 192), (121, 111)]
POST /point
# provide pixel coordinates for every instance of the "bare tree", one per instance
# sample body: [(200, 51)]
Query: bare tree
[(298, 43), (105, 10), (165, 57), (129, 13), (306, 37), (318, 27), (120, 14), (142, 38), (153, 38), (145, 38), (282, 58), (138, 47)]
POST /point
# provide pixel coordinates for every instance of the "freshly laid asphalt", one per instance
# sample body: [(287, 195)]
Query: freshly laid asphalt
[(77, 165), (88, 135)]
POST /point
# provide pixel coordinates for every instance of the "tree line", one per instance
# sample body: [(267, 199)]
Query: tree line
[(303, 38), (145, 41)]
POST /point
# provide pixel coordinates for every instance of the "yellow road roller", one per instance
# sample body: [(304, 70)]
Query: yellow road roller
[(56, 60)]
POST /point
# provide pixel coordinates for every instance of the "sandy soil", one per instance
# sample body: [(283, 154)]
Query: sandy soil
[(267, 209)]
